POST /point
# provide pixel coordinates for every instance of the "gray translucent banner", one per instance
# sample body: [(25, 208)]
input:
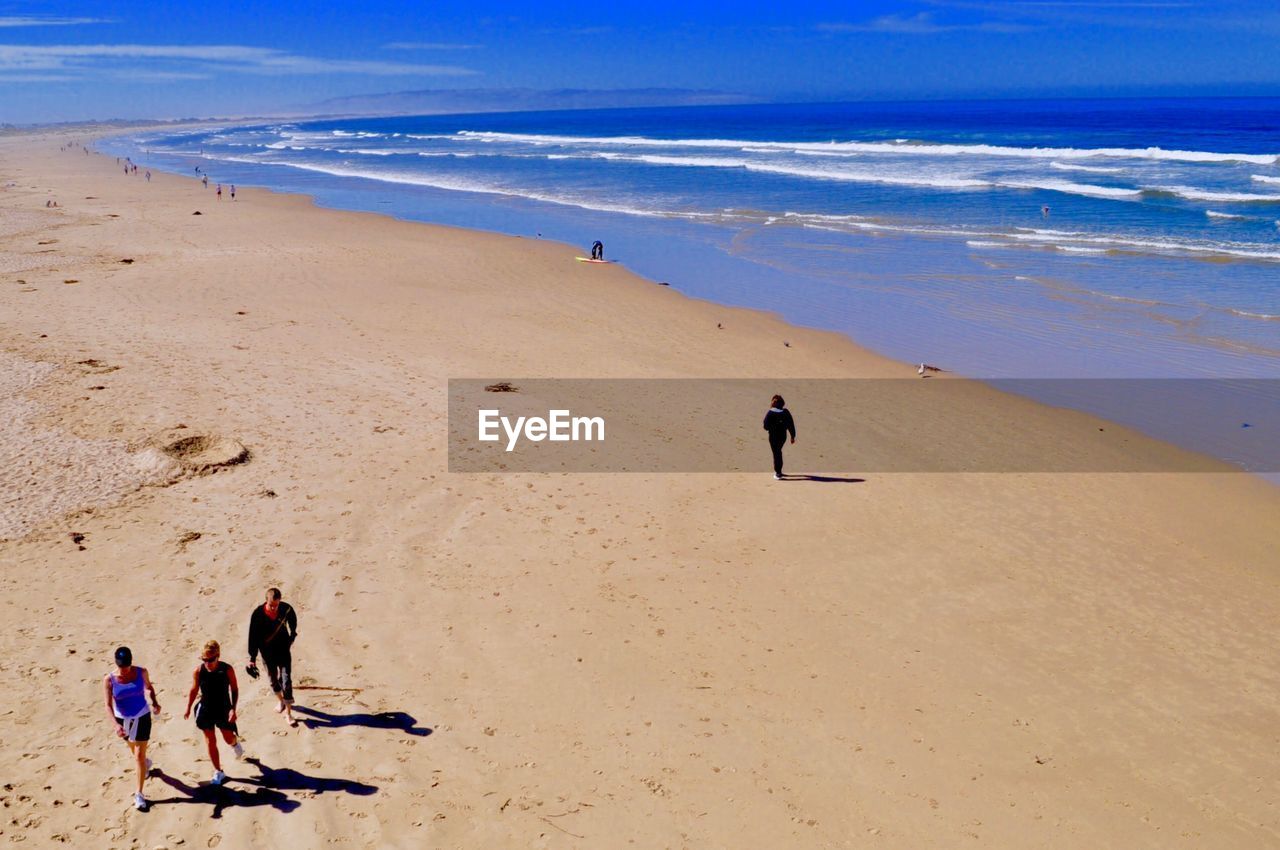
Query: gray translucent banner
[(931, 424)]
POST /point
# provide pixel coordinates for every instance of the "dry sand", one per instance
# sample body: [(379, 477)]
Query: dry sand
[(696, 661)]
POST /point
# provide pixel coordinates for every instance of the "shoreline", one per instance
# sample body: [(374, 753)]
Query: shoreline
[(1185, 429), (700, 660)]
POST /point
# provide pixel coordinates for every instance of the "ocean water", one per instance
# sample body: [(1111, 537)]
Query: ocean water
[(1009, 239)]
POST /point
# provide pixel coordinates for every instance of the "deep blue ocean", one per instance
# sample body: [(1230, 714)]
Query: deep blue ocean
[(1054, 238)]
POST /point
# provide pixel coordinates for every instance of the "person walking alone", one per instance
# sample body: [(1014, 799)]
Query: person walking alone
[(273, 627), (126, 693), (778, 423)]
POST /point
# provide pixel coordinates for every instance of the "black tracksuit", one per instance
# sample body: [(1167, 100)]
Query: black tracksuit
[(274, 638), (778, 423)]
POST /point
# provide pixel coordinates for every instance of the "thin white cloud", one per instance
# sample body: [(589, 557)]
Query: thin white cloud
[(603, 29), (1015, 7), (158, 76), (198, 59), (429, 45), (37, 78), (27, 21), (1224, 15), (922, 23)]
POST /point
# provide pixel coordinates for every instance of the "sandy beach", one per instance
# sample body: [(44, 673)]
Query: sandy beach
[(196, 407)]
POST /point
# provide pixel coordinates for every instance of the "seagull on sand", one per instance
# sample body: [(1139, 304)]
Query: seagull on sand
[(925, 367)]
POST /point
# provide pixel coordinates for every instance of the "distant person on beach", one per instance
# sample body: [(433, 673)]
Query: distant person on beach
[(126, 692), (778, 423), (205, 181), (214, 682), (219, 191), (233, 191), (148, 175), (273, 627), (597, 250)]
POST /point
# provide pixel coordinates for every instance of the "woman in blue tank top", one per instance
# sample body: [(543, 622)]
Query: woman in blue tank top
[(126, 693)]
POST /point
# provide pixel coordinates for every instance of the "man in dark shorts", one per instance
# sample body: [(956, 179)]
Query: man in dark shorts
[(214, 682), (273, 627)]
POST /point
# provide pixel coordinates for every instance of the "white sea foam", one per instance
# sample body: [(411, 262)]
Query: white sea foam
[(1192, 193), (1092, 169), (1263, 178), (922, 180), (898, 147), (1086, 189), (1216, 214), (1064, 240), (1060, 239), (1162, 246), (1250, 315), (1069, 249), (458, 185), (693, 161)]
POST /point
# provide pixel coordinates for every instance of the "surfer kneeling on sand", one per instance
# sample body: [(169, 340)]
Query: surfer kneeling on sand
[(597, 250)]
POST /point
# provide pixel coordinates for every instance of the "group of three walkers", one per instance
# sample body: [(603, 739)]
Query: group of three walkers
[(131, 696)]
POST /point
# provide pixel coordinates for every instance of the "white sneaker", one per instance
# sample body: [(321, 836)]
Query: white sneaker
[(218, 778), (140, 802), (777, 477), (238, 749)]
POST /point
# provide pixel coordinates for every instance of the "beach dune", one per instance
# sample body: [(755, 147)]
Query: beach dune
[(199, 406)]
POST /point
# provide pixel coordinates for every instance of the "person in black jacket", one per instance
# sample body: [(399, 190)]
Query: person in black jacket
[(273, 627), (778, 423)]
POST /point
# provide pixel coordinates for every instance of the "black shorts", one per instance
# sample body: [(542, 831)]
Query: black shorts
[(208, 718), (136, 728)]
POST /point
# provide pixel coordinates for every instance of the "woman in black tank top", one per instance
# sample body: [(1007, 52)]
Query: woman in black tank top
[(215, 686), (214, 682)]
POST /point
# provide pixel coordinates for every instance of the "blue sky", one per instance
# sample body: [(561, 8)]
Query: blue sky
[(69, 61)]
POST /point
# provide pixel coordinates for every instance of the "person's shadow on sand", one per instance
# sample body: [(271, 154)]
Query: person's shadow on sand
[(825, 479), (287, 779), (222, 797), (316, 719)]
